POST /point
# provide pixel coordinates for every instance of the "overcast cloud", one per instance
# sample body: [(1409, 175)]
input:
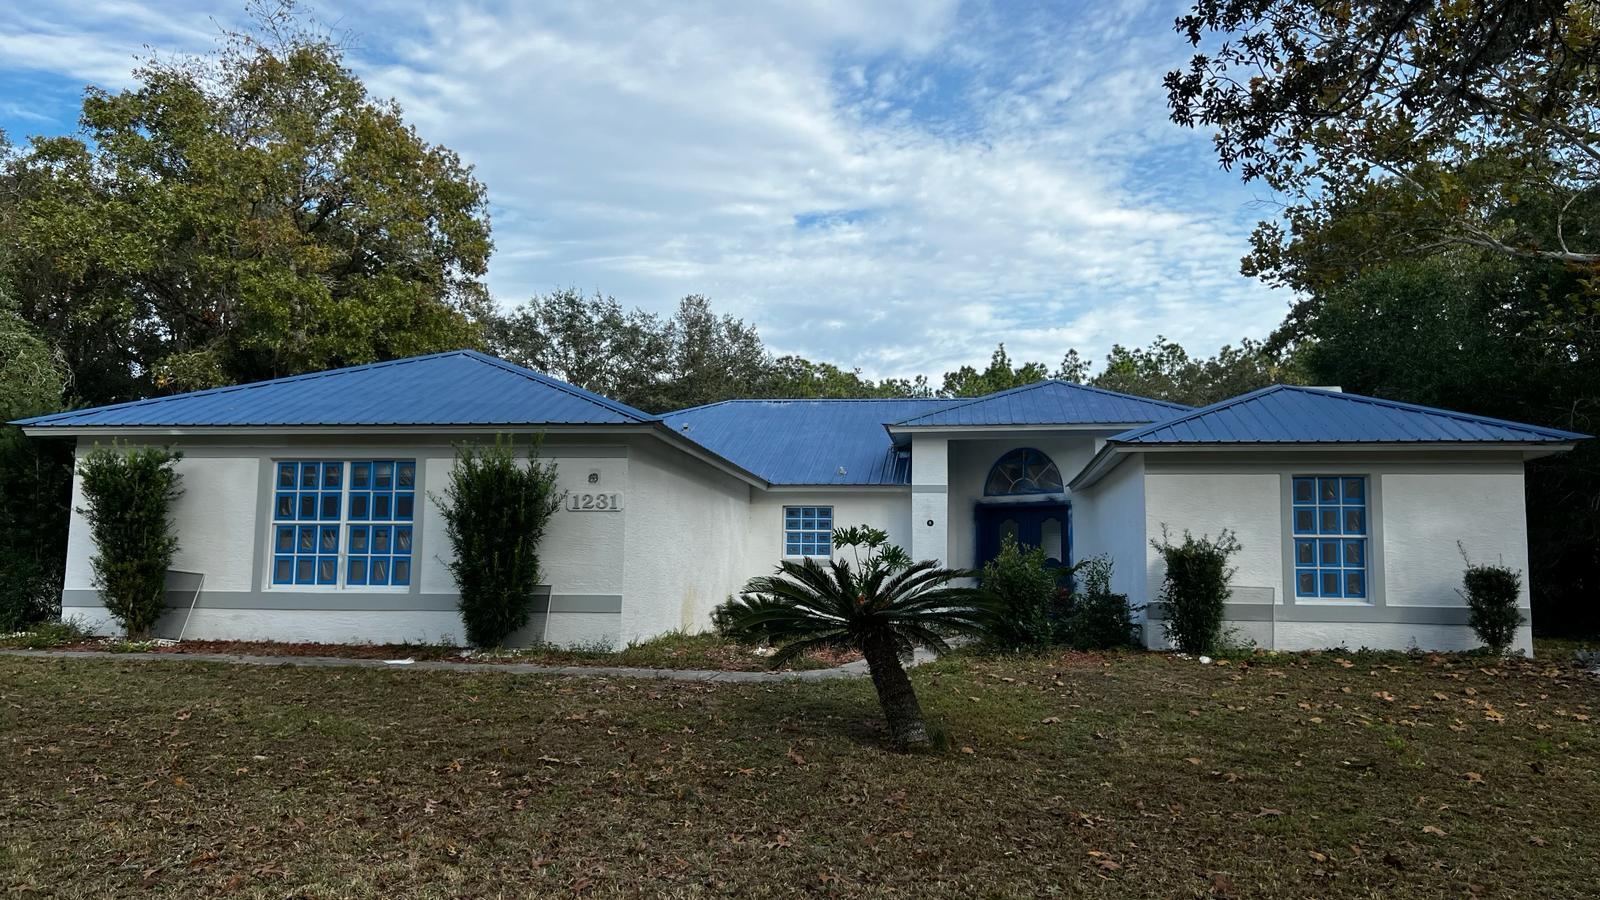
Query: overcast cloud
[(896, 186)]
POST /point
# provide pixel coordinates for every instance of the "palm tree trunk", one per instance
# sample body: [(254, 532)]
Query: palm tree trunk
[(896, 696)]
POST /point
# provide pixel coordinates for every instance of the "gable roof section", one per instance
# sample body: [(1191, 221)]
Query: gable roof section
[(458, 388), (1288, 414), (804, 442), (1048, 403)]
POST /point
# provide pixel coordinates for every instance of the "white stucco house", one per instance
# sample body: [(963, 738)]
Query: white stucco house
[(308, 511)]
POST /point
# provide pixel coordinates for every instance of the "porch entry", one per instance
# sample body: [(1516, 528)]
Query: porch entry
[(1044, 525)]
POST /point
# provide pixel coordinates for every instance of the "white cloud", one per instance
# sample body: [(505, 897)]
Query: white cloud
[(896, 185)]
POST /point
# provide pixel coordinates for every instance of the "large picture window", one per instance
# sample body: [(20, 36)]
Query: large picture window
[(339, 524), (1330, 533), (808, 531)]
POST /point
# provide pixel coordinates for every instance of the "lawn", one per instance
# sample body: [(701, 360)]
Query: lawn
[(1136, 774)]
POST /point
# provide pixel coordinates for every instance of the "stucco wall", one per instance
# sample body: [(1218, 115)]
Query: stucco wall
[(223, 522), (878, 508), (686, 539), (1419, 506), (1108, 519)]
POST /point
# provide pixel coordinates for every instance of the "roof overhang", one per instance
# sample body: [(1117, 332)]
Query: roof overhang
[(654, 428), (1113, 453), (902, 434)]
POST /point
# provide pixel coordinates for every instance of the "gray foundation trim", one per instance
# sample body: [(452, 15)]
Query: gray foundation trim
[(335, 601), (930, 489), (1342, 615)]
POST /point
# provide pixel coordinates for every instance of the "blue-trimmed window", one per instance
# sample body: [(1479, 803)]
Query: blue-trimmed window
[(1024, 471), (343, 524), (808, 531), (1330, 530)]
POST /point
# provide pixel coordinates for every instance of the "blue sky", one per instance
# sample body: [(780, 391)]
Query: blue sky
[(896, 186)]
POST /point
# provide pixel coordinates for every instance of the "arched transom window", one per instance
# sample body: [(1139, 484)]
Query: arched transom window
[(1025, 471)]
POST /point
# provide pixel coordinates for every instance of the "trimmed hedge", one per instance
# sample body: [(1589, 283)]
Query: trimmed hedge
[(129, 495), (1195, 588)]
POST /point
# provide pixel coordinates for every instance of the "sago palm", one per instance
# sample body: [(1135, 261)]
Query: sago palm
[(883, 606)]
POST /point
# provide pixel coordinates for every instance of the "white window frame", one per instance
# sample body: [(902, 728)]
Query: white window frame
[(344, 522), (784, 525)]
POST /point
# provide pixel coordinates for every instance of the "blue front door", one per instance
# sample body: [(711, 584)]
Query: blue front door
[(1046, 525)]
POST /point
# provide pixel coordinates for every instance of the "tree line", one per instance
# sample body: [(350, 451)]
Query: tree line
[(255, 213)]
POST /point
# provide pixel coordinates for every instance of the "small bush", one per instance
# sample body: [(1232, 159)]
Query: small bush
[(722, 619), (1095, 618), (1491, 593), (130, 494), (48, 635), (1195, 588), (1024, 593), (27, 593), (496, 510)]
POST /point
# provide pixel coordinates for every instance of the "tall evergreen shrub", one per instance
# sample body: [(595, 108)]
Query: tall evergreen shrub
[(129, 493), (496, 509), (1491, 593), (1024, 593), (1195, 588)]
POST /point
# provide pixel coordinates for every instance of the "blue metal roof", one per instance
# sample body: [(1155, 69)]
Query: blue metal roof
[(806, 441), (459, 388), (1050, 403), (1286, 414)]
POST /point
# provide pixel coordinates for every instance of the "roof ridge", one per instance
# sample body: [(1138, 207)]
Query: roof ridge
[(229, 388), (1429, 410), (564, 386), (687, 409), (970, 401), (1195, 413)]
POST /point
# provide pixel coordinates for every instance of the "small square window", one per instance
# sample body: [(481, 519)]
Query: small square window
[(1329, 520), (308, 476), (361, 475), (286, 475), (1305, 490), (332, 474), (360, 506), (1330, 553), (382, 505), (285, 507), (283, 570), (402, 540), (305, 570), (327, 569), (356, 572), (1306, 583), (380, 540), (285, 542), (1305, 553), (329, 539), (1355, 520), (1355, 490), (358, 538), (403, 504), (1355, 553), (401, 573), (330, 505), (1305, 521), (1330, 584), (405, 475), (1355, 584), (383, 475), (308, 507), (1328, 490), (378, 571), (308, 539)]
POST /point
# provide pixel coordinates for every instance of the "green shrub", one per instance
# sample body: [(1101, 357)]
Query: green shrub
[(1095, 618), (1491, 593), (722, 619), (1025, 593), (130, 494), (496, 509), (1195, 588), (27, 594)]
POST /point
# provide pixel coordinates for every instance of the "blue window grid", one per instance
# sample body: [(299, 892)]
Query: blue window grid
[(1328, 525), (318, 502), (808, 531)]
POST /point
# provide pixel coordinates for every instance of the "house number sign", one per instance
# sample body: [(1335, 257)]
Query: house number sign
[(594, 502)]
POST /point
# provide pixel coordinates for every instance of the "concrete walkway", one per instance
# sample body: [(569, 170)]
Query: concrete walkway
[(856, 669)]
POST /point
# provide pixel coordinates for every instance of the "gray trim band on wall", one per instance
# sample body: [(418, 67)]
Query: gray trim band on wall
[(930, 489), (354, 601), (1340, 615)]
